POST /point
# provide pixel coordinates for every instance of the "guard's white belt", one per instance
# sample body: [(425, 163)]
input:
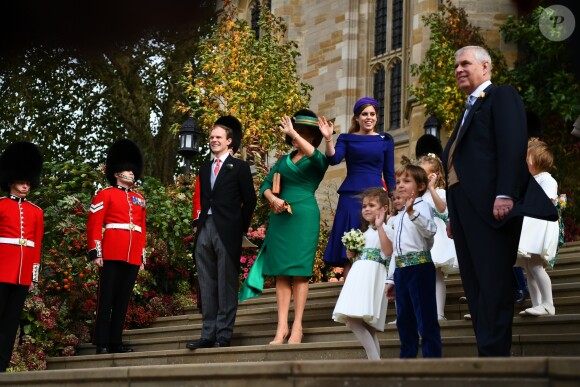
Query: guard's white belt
[(124, 226), (17, 241)]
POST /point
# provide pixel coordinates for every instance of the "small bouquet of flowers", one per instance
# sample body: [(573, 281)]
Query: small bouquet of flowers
[(561, 202), (353, 240)]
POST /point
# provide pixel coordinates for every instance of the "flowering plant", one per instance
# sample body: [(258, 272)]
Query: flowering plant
[(353, 240), (561, 202), (481, 95)]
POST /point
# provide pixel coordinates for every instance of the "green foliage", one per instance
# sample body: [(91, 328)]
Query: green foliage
[(437, 89), (50, 98), (70, 100), (541, 74), (551, 91), (542, 69), (60, 312), (169, 236), (253, 79)]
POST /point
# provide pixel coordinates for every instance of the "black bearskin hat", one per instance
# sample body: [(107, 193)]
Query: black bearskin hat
[(234, 124), (312, 125), (20, 161), (426, 144), (123, 155)]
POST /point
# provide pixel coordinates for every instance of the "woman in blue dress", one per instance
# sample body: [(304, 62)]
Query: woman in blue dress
[(370, 160)]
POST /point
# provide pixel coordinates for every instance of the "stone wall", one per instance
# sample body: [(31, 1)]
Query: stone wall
[(335, 39)]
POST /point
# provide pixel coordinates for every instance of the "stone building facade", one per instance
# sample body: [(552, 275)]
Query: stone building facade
[(355, 48)]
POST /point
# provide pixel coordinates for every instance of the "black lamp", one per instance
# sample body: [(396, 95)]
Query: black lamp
[(189, 135), (432, 126)]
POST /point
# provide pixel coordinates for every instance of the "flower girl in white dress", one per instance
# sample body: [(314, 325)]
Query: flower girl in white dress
[(539, 239), (362, 304), (443, 251)]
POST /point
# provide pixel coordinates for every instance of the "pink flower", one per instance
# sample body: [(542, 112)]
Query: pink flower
[(243, 260)]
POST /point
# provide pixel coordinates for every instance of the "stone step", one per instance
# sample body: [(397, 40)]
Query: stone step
[(558, 290), (522, 325), (164, 342), (450, 372), (556, 276), (555, 344), (316, 315), (329, 294)]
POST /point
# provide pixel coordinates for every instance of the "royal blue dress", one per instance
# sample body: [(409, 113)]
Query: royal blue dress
[(369, 159)]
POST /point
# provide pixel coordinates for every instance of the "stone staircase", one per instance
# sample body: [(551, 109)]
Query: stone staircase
[(546, 350)]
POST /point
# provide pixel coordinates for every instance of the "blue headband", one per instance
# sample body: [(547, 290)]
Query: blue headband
[(365, 101)]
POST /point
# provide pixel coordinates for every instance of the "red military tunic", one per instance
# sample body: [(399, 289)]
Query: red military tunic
[(122, 213), (21, 231), (196, 209)]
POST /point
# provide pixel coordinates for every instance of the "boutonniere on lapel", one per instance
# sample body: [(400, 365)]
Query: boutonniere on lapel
[(481, 95), (229, 166)]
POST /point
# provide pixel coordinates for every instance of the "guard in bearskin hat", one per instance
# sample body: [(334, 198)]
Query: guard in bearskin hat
[(227, 200), (427, 144), (21, 230), (119, 250)]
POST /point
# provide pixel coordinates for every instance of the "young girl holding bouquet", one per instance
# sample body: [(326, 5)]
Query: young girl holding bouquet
[(362, 304)]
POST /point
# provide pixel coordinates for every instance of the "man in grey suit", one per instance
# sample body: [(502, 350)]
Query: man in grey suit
[(228, 199)]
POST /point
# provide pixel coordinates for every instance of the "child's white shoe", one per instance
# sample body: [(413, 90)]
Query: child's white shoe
[(541, 310)]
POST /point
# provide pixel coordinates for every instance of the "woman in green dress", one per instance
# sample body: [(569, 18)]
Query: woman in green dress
[(292, 238)]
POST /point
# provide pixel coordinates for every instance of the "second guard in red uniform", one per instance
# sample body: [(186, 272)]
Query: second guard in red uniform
[(119, 250), (21, 231)]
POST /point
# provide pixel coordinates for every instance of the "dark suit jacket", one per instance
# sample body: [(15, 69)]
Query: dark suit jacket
[(490, 157), (232, 202)]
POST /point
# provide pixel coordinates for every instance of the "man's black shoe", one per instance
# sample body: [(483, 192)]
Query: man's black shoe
[(120, 349), (201, 343), (223, 343), (101, 350)]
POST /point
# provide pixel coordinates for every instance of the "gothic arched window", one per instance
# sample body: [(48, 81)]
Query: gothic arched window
[(388, 80), (379, 95), (397, 33), (395, 98), (255, 18), (381, 27)]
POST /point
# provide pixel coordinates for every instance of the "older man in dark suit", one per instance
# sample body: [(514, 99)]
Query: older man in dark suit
[(489, 190), (228, 199)]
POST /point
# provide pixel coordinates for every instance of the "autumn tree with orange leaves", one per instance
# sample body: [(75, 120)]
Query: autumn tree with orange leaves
[(253, 79)]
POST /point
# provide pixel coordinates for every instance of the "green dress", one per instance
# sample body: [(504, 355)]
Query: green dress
[(292, 239)]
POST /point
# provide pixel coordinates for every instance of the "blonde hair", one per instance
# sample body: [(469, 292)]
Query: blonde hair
[(542, 158), (436, 167)]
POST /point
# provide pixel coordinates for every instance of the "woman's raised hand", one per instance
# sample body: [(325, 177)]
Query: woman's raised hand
[(326, 127), (286, 125)]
